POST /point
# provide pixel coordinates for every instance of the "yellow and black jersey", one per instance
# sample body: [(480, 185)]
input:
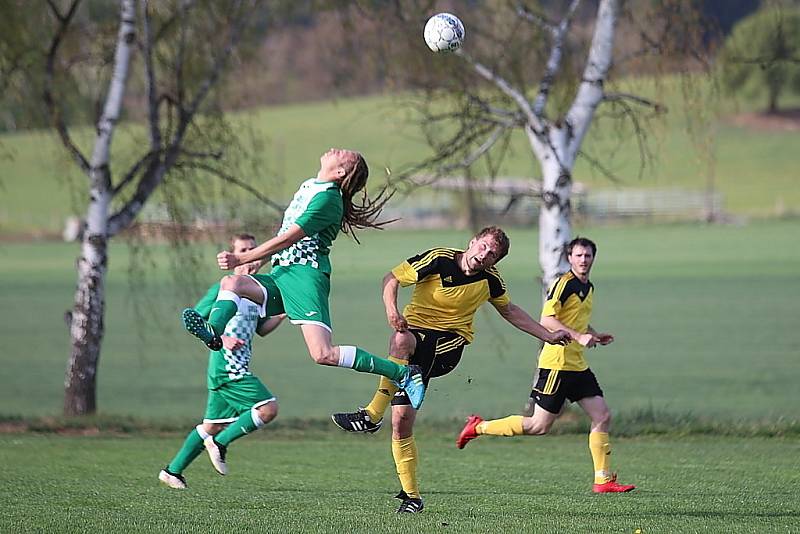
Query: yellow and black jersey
[(570, 301), (444, 297)]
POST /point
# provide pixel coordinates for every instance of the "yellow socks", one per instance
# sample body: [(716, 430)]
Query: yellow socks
[(508, 426), (383, 396), (405, 460), (601, 456)]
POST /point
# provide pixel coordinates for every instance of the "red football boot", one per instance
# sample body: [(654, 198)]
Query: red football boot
[(612, 487), (468, 433)]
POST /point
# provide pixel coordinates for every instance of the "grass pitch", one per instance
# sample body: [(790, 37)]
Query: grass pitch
[(705, 325), (704, 318), (333, 482)]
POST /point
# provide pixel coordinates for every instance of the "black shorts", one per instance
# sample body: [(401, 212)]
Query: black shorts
[(551, 387), (437, 353)]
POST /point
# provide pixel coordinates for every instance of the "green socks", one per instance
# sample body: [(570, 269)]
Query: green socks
[(222, 311), (242, 426), (191, 449), (364, 362)]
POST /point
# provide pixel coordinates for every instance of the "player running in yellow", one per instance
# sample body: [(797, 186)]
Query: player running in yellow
[(301, 269), (563, 372), (449, 286), (238, 402)]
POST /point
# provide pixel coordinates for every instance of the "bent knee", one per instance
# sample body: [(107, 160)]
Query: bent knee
[(267, 412), (602, 419), (402, 344), (402, 426), (231, 282), (214, 428), (534, 426)]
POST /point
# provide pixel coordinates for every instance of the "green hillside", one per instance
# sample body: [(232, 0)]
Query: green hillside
[(755, 170)]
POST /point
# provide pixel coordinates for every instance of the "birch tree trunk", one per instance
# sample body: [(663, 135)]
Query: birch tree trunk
[(86, 329), (556, 147), (555, 228)]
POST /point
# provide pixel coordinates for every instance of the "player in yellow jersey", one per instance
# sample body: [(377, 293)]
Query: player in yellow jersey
[(563, 372), (449, 286)]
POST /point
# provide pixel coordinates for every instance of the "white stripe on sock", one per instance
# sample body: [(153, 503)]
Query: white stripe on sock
[(347, 356), (256, 418), (224, 294), (202, 432)]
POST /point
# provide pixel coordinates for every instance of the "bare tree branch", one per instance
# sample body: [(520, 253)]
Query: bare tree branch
[(148, 183), (61, 18), (234, 37), (229, 178), (554, 61), (459, 144), (535, 18), (133, 172), (217, 154), (53, 109), (185, 6), (150, 81), (179, 72), (517, 96), (627, 112), (156, 173), (596, 164), (616, 97), (764, 61)]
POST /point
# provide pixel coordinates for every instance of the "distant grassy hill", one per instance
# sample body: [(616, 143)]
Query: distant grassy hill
[(755, 170)]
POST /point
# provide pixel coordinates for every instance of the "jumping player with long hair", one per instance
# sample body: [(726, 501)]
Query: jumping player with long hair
[(301, 270)]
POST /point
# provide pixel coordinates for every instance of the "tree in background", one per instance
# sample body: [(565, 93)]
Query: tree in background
[(546, 69), (184, 48), (763, 52)]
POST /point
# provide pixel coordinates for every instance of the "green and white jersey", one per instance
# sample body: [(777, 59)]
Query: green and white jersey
[(317, 208), (224, 365)]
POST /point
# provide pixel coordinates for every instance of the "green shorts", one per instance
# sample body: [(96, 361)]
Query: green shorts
[(273, 303), (232, 399), (305, 292)]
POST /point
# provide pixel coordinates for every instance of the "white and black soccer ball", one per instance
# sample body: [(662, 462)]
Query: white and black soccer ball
[(444, 32)]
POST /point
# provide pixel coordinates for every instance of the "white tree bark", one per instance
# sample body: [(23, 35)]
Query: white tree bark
[(555, 228), (556, 147), (86, 329)]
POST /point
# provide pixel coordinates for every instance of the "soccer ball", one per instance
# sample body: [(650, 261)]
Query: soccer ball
[(444, 32)]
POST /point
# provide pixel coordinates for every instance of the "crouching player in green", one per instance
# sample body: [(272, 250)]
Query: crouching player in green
[(238, 402)]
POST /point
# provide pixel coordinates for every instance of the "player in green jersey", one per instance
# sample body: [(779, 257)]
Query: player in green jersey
[(322, 207), (238, 402)]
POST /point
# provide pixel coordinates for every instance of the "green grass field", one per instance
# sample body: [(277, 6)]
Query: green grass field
[(706, 354), (704, 367), (332, 482), (704, 318)]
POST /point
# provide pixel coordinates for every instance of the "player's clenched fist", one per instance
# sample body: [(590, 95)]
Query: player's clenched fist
[(227, 260), (398, 322), (559, 337)]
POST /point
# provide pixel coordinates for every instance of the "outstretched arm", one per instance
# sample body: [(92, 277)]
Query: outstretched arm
[(520, 319), (229, 260), (584, 338)]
